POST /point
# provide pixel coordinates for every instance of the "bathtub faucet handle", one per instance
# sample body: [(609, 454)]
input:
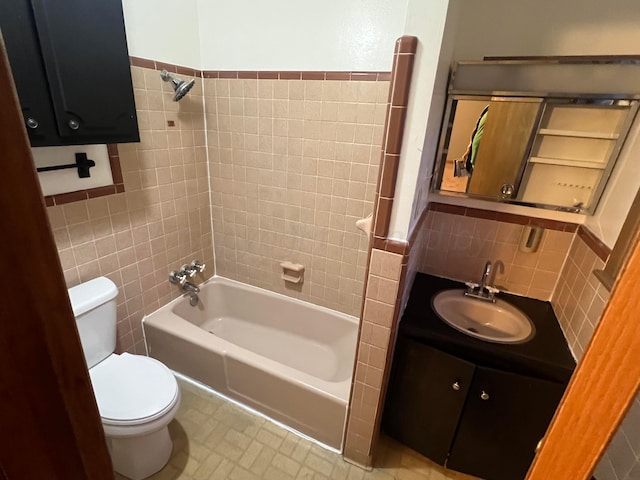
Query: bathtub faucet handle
[(188, 270), (196, 264), (178, 277)]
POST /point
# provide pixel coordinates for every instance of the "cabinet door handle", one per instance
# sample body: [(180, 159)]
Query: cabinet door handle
[(455, 386), (484, 395), (74, 124), (32, 122)]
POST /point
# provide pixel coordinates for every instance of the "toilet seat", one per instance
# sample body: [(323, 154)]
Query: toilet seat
[(133, 391)]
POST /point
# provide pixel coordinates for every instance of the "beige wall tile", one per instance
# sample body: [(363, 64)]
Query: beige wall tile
[(577, 300), (457, 247), (112, 235), (301, 173), (375, 343)]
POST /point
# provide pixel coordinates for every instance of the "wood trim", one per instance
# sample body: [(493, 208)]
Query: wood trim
[(601, 390), (49, 418)]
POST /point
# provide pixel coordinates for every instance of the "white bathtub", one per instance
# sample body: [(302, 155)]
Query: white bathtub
[(288, 359)]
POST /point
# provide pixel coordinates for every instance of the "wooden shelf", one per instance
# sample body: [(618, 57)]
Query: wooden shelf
[(567, 163), (578, 134)]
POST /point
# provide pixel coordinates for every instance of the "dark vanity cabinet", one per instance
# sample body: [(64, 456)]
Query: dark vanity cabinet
[(471, 418), (70, 64), (474, 406), (427, 392), (504, 418)]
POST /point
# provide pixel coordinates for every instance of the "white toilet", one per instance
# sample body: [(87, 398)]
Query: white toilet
[(137, 396)]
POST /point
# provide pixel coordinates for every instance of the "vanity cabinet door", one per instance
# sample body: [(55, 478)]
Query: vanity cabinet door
[(425, 397), (505, 417)]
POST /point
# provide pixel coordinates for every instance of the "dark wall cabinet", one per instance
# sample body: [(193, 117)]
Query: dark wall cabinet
[(473, 419), (70, 63)]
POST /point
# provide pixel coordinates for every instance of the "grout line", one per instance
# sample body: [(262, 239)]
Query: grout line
[(209, 178)]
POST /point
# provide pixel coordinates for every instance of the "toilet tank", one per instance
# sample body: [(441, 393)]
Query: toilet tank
[(94, 306)]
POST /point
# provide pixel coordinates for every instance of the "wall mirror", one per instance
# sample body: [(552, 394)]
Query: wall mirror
[(545, 151)]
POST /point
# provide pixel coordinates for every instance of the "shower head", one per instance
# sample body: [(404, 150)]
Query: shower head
[(180, 87)]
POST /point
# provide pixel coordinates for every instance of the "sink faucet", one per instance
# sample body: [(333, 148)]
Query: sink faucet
[(485, 275), (482, 290)]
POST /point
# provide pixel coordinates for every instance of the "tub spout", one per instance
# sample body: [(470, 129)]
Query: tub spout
[(190, 287), (193, 291)]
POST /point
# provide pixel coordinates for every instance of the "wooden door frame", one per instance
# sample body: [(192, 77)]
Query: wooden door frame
[(601, 390), (49, 422)]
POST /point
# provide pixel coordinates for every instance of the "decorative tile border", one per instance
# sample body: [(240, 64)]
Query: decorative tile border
[(399, 246), (404, 247), (403, 59), (117, 187), (387, 264), (504, 217), (299, 75), (394, 246), (152, 64), (594, 243), (263, 74)]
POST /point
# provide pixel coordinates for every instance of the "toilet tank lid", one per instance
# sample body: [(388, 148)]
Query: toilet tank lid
[(91, 294)]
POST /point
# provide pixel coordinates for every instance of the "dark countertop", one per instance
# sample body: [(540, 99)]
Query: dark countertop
[(546, 355)]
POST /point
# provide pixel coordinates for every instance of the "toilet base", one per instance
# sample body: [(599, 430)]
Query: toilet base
[(141, 456)]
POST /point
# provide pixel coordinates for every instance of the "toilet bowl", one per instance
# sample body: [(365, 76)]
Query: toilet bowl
[(137, 396)]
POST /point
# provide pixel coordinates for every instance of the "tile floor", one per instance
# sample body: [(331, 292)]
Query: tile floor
[(215, 439)]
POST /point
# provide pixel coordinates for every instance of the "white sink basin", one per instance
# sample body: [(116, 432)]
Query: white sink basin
[(498, 322)]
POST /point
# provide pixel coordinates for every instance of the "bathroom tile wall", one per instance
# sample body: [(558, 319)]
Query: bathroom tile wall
[(386, 277), (294, 164), (161, 221), (579, 298), (458, 243), (377, 337)]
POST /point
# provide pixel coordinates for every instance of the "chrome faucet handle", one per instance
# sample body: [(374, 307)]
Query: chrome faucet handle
[(491, 293), (472, 285), (178, 277), (189, 270), (198, 265)]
